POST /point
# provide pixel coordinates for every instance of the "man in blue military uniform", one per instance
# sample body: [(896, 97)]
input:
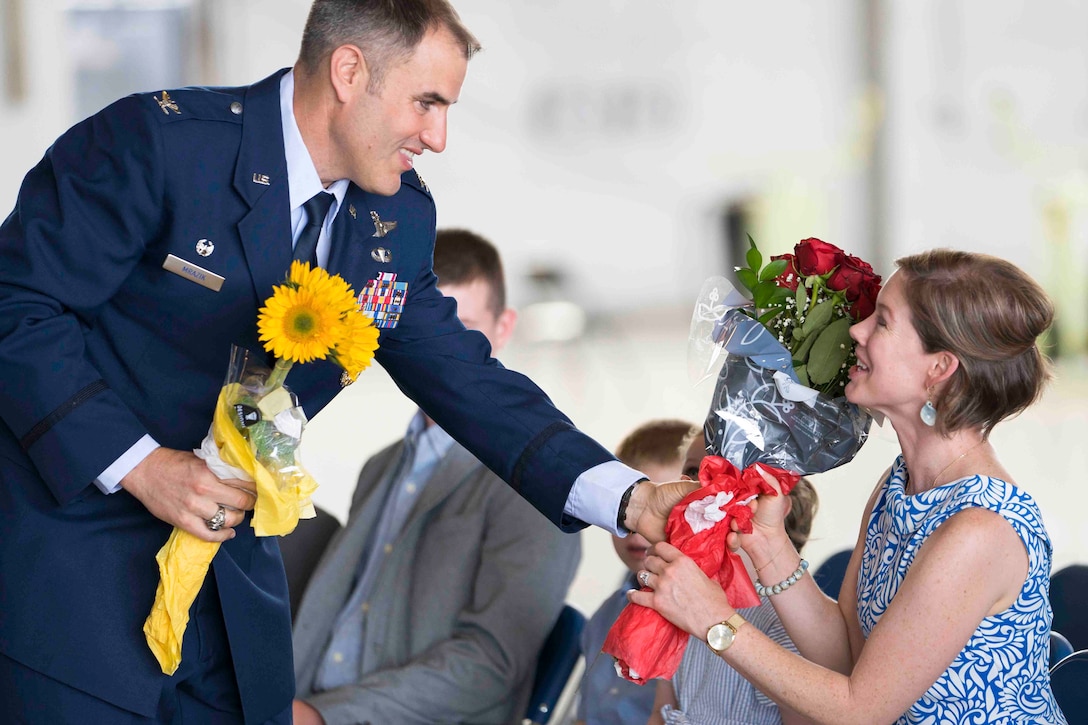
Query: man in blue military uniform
[(139, 251)]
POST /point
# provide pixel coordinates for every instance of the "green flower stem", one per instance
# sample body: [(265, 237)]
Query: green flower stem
[(279, 374)]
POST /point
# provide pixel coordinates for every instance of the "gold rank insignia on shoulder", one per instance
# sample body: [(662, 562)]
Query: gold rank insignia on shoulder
[(381, 228), (421, 181), (166, 103)]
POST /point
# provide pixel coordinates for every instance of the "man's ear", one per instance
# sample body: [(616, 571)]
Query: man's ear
[(504, 328), (348, 72)]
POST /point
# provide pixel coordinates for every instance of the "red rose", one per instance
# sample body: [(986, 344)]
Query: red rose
[(850, 275), (816, 257), (866, 302), (789, 277)]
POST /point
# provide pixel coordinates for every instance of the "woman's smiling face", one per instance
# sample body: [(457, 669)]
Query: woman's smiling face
[(892, 365)]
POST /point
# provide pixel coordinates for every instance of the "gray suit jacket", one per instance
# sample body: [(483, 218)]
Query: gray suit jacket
[(461, 607)]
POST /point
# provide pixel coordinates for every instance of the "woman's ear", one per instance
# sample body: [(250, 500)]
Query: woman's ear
[(943, 366)]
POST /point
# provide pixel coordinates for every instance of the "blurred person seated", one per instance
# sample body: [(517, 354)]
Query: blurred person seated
[(705, 689), (432, 603), (657, 449)]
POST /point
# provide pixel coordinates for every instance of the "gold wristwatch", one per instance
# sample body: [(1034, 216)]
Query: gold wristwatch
[(720, 637)]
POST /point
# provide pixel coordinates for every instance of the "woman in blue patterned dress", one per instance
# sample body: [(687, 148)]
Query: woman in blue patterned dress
[(943, 616)]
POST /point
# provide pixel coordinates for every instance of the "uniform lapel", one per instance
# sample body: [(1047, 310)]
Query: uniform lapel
[(260, 178)]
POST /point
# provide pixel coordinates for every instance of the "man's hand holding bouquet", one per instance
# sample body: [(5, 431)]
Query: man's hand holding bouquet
[(256, 431), (777, 409)]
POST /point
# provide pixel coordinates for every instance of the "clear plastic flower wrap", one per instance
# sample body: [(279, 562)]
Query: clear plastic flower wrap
[(759, 412)]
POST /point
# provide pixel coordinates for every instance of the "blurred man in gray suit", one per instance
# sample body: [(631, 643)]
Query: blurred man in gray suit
[(432, 603)]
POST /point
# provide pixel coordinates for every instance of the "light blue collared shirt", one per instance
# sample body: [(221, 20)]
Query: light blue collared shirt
[(424, 448)]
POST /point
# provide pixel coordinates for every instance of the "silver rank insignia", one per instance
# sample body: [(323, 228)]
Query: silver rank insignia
[(381, 254), (422, 182), (166, 103), (205, 247), (351, 210), (381, 228)]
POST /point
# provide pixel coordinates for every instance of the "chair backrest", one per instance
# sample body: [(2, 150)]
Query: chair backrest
[(1068, 679), (302, 549), (1060, 647), (1069, 599), (557, 659), (829, 575)]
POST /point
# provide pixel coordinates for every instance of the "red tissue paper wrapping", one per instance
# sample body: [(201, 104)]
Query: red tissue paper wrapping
[(646, 645)]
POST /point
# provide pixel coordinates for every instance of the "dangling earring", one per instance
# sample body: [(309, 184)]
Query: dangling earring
[(928, 414)]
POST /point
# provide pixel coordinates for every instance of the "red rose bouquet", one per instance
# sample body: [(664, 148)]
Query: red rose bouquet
[(779, 393), (777, 402)]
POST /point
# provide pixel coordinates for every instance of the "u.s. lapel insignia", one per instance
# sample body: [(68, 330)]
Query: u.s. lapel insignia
[(381, 228), (166, 103), (205, 247), (381, 254), (261, 179), (351, 210), (421, 181)]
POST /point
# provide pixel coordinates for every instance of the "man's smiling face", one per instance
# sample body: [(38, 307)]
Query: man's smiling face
[(378, 132)]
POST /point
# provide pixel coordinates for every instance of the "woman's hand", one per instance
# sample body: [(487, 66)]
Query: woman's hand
[(682, 593), (768, 524)]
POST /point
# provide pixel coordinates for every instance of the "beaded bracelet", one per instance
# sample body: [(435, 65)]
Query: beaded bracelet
[(785, 583)]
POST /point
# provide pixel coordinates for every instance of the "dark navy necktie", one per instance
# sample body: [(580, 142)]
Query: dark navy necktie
[(316, 209)]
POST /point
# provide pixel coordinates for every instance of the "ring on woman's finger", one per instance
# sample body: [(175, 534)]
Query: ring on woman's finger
[(643, 576), (216, 522)]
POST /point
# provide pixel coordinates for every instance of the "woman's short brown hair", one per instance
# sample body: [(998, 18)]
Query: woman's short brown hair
[(989, 314)]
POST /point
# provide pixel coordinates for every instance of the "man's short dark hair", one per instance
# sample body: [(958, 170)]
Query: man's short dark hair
[(387, 31), (462, 257)]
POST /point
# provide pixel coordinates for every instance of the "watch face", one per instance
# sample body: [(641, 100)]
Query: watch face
[(719, 637)]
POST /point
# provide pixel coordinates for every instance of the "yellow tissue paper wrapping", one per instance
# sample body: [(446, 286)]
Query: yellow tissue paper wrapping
[(283, 497)]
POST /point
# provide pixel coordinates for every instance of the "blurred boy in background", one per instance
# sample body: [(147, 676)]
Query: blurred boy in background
[(657, 449)]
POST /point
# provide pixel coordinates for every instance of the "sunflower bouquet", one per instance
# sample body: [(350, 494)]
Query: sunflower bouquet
[(256, 431)]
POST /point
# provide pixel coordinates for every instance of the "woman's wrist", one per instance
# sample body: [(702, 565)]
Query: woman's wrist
[(768, 551)]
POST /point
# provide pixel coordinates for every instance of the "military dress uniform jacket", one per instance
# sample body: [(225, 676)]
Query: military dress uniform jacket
[(100, 345)]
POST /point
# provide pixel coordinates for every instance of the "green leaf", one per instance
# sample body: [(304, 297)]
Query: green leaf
[(754, 258), (800, 355), (829, 351), (779, 296), (773, 269), (818, 317), (801, 297), (768, 316), (747, 278), (802, 375), (763, 293)]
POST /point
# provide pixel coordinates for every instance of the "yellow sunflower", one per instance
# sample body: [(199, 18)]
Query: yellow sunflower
[(332, 290), (356, 349), (299, 325)]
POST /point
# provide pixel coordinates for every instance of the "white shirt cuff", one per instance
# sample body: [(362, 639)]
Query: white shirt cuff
[(109, 481), (595, 495)]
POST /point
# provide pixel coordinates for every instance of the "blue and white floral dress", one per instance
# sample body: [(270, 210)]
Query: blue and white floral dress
[(1001, 676)]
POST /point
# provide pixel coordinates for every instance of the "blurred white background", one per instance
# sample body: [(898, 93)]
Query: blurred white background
[(616, 149)]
